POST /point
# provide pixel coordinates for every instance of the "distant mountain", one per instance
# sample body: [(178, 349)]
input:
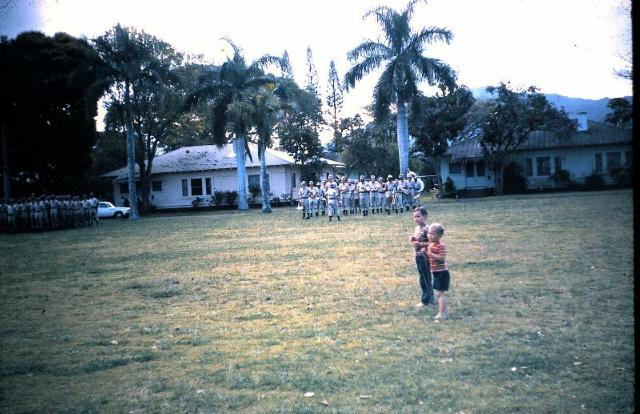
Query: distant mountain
[(596, 109)]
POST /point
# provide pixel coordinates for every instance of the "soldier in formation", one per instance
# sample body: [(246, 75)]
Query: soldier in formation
[(45, 213), (347, 196)]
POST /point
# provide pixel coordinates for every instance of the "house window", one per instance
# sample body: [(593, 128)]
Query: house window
[(614, 160), (124, 188), (598, 160), (254, 180), (543, 166), (528, 167), (480, 168), (469, 169), (156, 186), (207, 186), (196, 186), (455, 168), (628, 159), (557, 161), (185, 188), (293, 180)]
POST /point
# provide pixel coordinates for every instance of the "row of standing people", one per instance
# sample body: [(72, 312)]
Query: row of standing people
[(48, 213), (348, 196)]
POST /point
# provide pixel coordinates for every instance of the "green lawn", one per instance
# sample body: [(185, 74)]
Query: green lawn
[(219, 312)]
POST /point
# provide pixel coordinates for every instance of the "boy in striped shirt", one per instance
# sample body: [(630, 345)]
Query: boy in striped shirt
[(436, 252)]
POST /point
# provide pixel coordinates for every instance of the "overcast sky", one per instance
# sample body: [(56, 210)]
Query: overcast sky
[(569, 47)]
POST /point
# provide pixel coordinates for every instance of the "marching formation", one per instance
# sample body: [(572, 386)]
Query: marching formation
[(348, 196), (48, 213)]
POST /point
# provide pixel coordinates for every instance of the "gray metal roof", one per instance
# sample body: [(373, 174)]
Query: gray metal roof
[(210, 157), (597, 134)]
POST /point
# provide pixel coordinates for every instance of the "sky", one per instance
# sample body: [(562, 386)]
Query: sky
[(568, 47)]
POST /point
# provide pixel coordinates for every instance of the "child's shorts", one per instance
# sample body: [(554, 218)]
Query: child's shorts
[(441, 280)]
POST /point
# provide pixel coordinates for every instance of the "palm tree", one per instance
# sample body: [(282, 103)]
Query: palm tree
[(231, 88), (268, 104), (127, 62), (402, 53)]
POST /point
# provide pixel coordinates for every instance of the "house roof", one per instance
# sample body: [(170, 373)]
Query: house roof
[(596, 134), (210, 157)]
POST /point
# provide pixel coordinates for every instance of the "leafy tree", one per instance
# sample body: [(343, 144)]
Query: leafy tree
[(48, 102), (368, 149), (621, 114), (312, 86), (402, 53), (312, 83), (287, 70), (229, 89), (436, 121), (193, 125), (298, 137), (297, 130), (334, 98), (156, 103), (508, 120)]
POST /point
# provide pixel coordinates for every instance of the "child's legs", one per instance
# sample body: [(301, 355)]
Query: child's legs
[(441, 282), (425, 279), (442, 302)]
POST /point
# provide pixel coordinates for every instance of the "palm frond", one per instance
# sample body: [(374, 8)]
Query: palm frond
[(436, 72), (370, 48), (237, 51), (384, 93), (431, 35), (361, 69), (269, 60), (408, 11)]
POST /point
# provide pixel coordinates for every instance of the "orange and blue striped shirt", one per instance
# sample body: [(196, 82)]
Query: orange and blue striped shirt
[(439, 249)]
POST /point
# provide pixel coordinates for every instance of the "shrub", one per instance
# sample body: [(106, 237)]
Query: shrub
[(561, 178), (218, 198), (231, 197), (254, 193), (594, 182), (622, 177), (514, 181), (449, 187)]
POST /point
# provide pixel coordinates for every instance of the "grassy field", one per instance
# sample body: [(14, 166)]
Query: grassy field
[(219, 312)]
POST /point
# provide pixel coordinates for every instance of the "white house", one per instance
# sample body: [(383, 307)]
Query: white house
[(594, 147), (180, 176)]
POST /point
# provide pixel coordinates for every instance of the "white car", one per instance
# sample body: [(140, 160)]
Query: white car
[(106, 209)]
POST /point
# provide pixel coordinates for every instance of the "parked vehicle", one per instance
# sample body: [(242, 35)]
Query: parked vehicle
[(106, 209)]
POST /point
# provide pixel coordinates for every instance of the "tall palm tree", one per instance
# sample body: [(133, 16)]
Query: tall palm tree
[(268, 104), (127, 62), (231, 88), (401, 52)]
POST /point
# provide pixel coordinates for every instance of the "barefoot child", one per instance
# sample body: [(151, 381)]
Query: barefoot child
[(420, 240), (437, 251)]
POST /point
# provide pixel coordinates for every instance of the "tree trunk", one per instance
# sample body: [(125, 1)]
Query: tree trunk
[(131, 157), (264, 183), (402, 126), (6, 169), (145, 187), (498, 172), (241, 173)]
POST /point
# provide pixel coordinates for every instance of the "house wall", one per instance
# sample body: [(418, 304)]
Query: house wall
[(579, 162), (171, 195), (462, 181)]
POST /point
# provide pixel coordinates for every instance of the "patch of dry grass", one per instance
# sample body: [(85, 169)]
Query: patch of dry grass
[(245, 312)]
